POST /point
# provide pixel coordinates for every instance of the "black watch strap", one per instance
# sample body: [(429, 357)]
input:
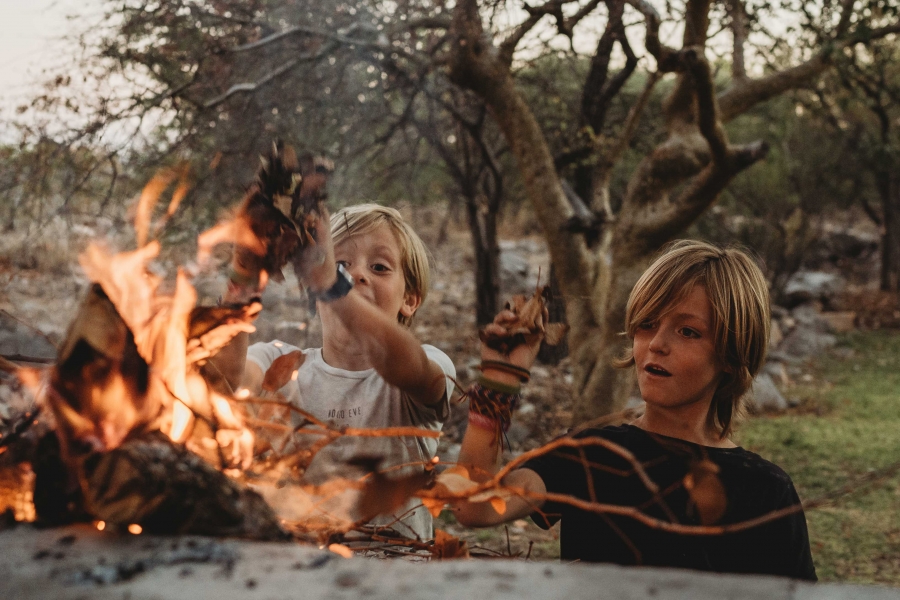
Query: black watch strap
[(341, 287)]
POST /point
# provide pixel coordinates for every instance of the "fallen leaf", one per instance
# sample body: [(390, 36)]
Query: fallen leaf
[(434, 506), (447, 546), (282, 370)]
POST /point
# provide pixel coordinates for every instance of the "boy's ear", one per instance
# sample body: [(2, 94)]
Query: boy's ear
[(411, 303)]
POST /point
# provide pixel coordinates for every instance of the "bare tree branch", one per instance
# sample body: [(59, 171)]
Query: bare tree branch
[(746, 94), (737, 13)]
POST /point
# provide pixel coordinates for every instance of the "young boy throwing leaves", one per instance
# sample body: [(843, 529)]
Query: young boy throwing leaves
[(371, 372)]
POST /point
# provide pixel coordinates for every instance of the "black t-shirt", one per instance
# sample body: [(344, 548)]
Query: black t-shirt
[(753, 487)]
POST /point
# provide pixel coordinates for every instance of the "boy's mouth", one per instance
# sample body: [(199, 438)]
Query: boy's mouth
[(657, 370)]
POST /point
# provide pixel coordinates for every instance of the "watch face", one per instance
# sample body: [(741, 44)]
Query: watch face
[(341, 287)]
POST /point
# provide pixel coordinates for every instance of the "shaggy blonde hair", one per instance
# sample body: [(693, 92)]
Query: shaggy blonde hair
[(363, 218), (739, 295)]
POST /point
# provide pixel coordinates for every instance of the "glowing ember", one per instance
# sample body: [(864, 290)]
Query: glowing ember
[(135, 528), (100, 525), (341, 550)]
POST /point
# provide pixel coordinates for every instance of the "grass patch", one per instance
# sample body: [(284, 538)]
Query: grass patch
[(848, 424)]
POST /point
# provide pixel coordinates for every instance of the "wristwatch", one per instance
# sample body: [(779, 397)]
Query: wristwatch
[(341, 287)]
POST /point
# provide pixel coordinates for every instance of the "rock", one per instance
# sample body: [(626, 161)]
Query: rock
[(525, 409), (809, 315), (805, 342), (518, 432), (514, 274), (18, 339), (763, 396), (809, 334), (775, 334), (776, 370), (805, 286), (144, 567)]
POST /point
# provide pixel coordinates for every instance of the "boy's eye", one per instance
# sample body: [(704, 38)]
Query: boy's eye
[(690, 333), (380, 268), (647, 325), (344, 263)]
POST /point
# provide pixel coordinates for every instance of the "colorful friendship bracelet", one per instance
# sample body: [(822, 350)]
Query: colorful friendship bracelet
[(491, 409)]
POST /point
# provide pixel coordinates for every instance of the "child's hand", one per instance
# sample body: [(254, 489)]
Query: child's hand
[(521, 355), (314, 264)]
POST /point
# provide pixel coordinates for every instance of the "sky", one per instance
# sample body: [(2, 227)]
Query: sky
[(30, 32)]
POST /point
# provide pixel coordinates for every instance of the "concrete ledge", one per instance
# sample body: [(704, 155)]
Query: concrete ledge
[(82, 563)]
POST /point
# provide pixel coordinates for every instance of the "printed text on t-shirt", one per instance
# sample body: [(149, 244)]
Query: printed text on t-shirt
[(344, 413)]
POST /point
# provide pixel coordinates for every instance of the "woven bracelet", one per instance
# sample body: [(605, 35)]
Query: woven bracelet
[(491, 409)]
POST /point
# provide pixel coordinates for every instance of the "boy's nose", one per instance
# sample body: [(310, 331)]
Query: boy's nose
[(358, 273), (659, 343)]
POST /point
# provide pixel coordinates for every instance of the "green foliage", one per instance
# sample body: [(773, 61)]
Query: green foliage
[(847, 425)]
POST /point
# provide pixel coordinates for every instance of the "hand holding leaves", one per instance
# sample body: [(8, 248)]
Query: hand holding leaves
[(518, 330), (281, 212)]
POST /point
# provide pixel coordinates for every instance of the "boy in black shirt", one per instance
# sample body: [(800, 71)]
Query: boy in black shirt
[(699, 322)]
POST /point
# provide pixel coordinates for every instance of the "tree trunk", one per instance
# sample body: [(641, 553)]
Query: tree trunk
[(551, 355), (889, 189), (483, 227)]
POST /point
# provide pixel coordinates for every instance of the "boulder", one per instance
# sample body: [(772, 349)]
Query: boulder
[(763, 396), (807, 286), (805, 342), (808, 334)]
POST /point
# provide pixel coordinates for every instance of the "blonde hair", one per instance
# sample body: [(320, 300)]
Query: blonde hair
[(739, 295), (362, 218)]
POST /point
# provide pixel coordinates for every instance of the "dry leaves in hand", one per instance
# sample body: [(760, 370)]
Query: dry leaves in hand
[(528, 326), (706, 491), (281, 211)]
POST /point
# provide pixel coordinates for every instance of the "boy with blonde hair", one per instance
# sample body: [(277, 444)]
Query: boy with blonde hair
[(370, 372), (699, 320)]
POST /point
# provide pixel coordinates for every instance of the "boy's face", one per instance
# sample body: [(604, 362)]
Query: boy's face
[(374, 260), (675, 357)]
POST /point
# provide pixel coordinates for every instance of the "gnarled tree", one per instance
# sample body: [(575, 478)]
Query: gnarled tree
[(673, 184)]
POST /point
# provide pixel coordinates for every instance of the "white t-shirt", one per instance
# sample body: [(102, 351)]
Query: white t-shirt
[(363, 399)]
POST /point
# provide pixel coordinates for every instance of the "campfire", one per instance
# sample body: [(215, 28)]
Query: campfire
[(133, 429)]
